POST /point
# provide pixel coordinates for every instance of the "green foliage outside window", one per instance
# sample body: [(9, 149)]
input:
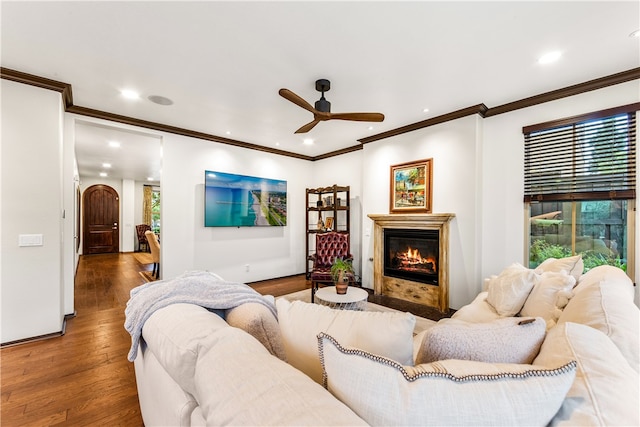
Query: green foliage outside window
[(541, 250), (155, 212)]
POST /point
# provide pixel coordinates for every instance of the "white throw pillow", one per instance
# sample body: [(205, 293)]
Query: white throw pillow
[(386, 333), (449, 392), (573, 265), (605, 390), (509, 290), (505, 340), (549, 296)]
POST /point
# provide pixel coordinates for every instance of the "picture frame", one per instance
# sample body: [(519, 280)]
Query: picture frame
[(329, 223), (411, 187)]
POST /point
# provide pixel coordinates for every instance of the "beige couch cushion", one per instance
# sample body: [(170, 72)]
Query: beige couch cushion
[(605, 390), (478, 311), (503, 340), (258, 321), (573, 265), (386, 333), (444, 393), (549, 296), (508, 291), (604, 300), (239, 383), (174, 334)]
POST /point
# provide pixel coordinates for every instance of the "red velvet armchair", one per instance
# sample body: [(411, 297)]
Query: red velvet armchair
[(329, 246)]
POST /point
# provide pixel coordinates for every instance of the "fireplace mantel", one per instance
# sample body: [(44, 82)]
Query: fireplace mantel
[(433, 296)]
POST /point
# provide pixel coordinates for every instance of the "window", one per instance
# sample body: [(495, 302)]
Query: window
[(155, 211), (580, 188)]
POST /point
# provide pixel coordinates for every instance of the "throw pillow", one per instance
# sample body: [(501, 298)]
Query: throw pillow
[(549, 296), (573, 265), (605, 390), (506, 340), (509, 290), (449, 392), (386, 333), (258, 321)]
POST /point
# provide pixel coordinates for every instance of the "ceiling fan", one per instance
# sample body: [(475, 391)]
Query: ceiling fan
[(322, 110)]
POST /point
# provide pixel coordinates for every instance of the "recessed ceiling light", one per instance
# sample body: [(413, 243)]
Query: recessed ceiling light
[(370, 128), (228, 132), (635, 34), (149, 178), (103, 174), (114, 144), (550, 57), (130, 94), (307, 141), (277, 144), (160, 100), (425, 110), (106, 165)]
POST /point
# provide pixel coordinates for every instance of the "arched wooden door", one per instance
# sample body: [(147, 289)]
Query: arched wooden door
[(100, 231)]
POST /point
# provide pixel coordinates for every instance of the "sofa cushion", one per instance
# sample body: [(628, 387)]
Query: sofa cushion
[(174, 334), (258, 321), (448, 392), (549, 296), (605, 390), (478, 311), (604, 300), (387, 333), (508, 291), (239, 383), (573, 265), (504, 340)]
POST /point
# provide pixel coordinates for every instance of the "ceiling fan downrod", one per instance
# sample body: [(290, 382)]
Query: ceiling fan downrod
[(323, 85)]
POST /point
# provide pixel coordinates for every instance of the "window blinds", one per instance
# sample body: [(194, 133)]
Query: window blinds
[(591, 159)]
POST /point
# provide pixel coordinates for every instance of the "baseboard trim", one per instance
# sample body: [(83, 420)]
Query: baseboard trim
[(40, 337)]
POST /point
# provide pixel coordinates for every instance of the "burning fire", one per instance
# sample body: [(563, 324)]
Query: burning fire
[(413, 259)]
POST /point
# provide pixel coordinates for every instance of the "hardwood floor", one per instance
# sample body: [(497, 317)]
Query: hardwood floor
[(84, 378)]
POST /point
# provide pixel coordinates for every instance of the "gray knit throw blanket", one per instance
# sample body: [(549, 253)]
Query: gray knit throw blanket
[(196, 287)]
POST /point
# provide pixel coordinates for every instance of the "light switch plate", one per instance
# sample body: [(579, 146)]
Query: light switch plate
[(30, 240)]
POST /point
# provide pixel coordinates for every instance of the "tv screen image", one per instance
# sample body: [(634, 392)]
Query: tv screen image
[(232, 200)]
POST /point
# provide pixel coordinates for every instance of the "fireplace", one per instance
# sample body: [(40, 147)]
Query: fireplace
[(412, 255)]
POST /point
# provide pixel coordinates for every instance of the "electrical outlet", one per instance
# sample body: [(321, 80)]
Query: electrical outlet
[(246, 268)]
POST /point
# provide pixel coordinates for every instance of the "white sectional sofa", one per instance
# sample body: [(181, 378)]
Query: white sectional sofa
[(194, 368)]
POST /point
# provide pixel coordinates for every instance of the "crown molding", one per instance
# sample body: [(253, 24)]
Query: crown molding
[(480, 109), (483, 111)]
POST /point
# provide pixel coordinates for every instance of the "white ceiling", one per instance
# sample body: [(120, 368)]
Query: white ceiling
[(222, 63)]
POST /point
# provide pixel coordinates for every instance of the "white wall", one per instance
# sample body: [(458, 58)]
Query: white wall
[(186, 244), (453, 147), (32, 203)]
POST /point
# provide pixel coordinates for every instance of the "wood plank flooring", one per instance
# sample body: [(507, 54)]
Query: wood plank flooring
[(84, 378)]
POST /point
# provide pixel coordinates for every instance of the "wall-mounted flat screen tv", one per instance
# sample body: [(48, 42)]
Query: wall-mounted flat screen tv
[(243, 201)]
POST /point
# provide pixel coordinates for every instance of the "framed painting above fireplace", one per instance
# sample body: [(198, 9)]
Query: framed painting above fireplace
[(411, 187)]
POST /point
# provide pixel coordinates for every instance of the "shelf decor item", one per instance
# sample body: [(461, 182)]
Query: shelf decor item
[(411, 187), (340, 271)]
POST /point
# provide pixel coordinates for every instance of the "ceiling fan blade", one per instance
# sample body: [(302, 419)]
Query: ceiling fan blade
[(358, 117), (306, 128), (288, 95)]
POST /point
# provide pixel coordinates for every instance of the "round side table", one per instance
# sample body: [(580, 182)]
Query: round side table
[(354, 299)]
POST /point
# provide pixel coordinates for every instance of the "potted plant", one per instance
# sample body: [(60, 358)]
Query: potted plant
[(340, 271)]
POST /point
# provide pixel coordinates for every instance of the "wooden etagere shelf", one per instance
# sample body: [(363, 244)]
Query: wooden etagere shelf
[(331, 206)]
